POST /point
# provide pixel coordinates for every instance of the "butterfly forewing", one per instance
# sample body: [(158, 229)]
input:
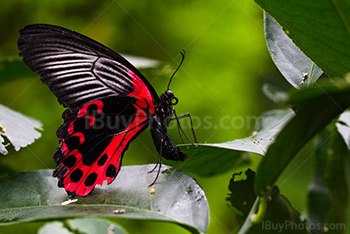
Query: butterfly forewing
[(76, 68)]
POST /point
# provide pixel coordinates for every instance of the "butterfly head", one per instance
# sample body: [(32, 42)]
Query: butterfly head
[(169, 98)]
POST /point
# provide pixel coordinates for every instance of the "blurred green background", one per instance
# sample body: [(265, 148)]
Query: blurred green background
[(219, 83)]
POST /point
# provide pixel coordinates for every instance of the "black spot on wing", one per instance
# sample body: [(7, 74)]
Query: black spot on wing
[(70, 161), (91, 179), (76, 175), (93, 150), (111, 171), (102, 160), (72, 142)]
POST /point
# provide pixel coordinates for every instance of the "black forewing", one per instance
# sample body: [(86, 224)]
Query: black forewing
[(76, 68)]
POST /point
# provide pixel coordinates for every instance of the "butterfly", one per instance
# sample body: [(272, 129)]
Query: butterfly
[(109, 102)]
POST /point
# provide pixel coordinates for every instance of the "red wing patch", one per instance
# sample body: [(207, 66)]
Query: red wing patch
[(94, 140), (142, 92)]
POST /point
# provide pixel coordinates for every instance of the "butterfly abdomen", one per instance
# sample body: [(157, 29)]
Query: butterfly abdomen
[(164, 144)]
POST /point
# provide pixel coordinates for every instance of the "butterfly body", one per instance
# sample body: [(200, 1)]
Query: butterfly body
[(158, 126), (109, 103)]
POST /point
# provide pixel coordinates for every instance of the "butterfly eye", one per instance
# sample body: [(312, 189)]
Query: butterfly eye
[(174, 100)]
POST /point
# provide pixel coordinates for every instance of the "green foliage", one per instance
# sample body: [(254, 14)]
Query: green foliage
[(221, 78)]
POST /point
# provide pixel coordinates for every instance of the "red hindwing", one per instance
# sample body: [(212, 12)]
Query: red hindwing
[(96, 140)]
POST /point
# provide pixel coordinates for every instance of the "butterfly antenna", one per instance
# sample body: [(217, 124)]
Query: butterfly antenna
[(183, 53)]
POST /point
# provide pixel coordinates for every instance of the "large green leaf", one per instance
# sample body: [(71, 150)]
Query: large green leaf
[(316, 106), (231, 154), (177, 199), (320, 28), (289, 59), (17, 128)]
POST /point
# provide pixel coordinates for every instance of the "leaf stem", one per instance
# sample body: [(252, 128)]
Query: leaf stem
[(258, 217)]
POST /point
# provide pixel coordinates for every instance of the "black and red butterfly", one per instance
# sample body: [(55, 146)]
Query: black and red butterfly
[(109, 103)]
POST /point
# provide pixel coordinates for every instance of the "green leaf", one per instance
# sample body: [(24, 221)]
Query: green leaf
[(95, 226), (177, 199), (278, 214), (343, 126), (274, 93), (17, 128), (320, 28), (294, 65), (318, 195), (338, 186), (316, 106), (233, 153), (84, 225), (12, 68), (267, 127), (201, 161), (279, 218), (54, 227), (242, 195)]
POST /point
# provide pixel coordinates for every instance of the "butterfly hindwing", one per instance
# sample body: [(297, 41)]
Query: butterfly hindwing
[(94, 141)]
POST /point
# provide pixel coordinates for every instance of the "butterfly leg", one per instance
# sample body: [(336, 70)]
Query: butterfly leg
[(188, 115), (159, 162)]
